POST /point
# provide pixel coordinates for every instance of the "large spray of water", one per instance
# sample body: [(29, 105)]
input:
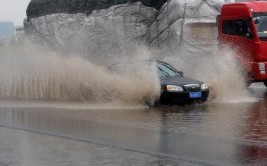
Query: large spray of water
[(33, 75), (111, 34), (220, 70), (29, 74)]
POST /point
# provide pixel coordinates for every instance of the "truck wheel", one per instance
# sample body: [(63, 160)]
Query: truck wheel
[(265, 83)]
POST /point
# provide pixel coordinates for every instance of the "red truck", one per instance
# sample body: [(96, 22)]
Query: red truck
[(243, 27)]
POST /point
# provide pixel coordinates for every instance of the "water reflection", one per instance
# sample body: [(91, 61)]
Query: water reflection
[(210, 133), (255, 134)]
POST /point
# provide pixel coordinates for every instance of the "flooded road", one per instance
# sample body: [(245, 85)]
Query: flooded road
[(214, 133)]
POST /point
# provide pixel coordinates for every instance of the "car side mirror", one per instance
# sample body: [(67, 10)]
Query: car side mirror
[(256, 20)]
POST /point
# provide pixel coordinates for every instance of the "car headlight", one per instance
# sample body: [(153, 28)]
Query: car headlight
[(204, 87), (173, 88)]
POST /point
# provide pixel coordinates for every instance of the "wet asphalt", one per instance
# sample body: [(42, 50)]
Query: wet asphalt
[(212, 133)]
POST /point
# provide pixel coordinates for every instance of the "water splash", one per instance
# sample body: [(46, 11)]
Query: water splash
[(220, 71), (29, 74)]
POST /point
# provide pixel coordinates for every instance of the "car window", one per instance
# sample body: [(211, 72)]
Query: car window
[(261, 25), (167, 71), (238, 27)]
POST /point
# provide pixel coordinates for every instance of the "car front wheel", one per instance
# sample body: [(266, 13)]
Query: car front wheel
[(265, 83)]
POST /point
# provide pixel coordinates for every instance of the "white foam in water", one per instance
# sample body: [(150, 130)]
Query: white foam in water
[(27, 74)]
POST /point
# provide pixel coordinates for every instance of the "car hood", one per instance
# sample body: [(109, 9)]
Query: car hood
[(180, 81)]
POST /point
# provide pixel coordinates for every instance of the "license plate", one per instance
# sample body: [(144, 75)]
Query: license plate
[(195, 95)]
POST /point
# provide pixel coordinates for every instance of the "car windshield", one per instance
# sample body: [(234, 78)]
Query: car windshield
[(165, 70), (260, 21)]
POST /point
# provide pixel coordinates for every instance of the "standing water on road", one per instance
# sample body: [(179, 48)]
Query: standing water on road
[(201, 134)]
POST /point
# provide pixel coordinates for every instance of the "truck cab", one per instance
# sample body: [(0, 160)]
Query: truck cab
[(243, 27)]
